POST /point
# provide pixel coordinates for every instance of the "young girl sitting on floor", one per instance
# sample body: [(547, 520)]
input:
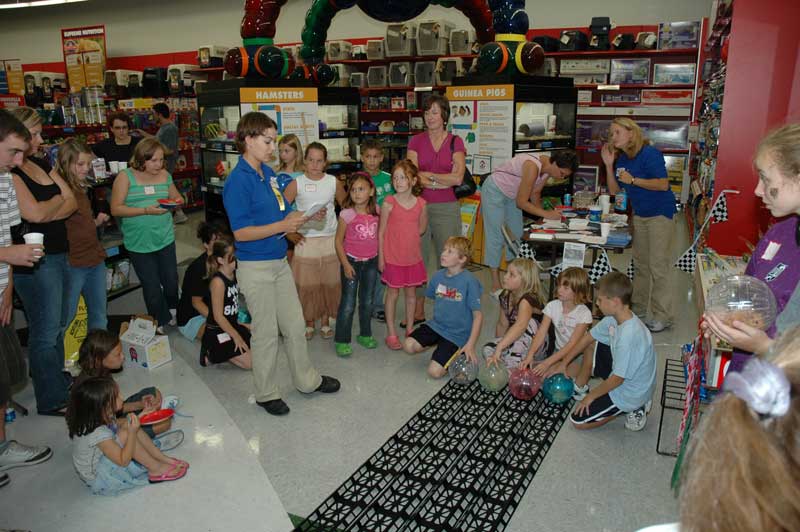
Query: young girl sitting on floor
[(403, 219), (225, 339), (357, 248), (126, 458), (100, 354), (569, 315), (315, 265), (520, 312)]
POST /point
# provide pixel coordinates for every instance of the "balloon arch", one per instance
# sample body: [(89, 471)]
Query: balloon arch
[(500, 26)]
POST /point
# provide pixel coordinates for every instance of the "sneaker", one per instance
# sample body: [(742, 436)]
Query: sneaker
[(4, 480), (343, 349), (380, 316), (19, 455), (367, 341), (276, 407), (579, 392), (328, 385), (657, 326), (180, 217), (636, 420), (169, 440)]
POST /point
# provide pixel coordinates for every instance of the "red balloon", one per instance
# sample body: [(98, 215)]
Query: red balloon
[(524, 384)]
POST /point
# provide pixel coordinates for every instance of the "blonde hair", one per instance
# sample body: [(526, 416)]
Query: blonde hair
[(28, 116), (144, 151), (783, 144), (578, 281), (299, 163), (460, 244), (742, 471), (529, 272), (638, 140), (68, 153)]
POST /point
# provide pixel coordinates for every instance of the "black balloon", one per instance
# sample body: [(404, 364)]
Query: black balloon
[(393, 10)]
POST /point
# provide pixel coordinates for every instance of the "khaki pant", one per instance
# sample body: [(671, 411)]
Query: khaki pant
[(444, 221), (652, 262), (274, 307)]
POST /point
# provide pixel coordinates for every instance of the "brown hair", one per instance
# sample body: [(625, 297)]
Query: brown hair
[(144, 151), (95, 348), (783, 144), (638, 140), (371, 144), (68, 153), (531, 284), (616, 284), (742, 470), (121, 116), (442, 102), (11, 125), (411, 172), (317, 146), (91, 405), (578, 281), (372, 204), (219, 249), (28, 116), (292, 140), (460, 244), (252, 124)]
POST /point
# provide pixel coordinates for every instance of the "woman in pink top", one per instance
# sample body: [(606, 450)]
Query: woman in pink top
[(357, 249), (404, 218), (516, 186), (440, 157)]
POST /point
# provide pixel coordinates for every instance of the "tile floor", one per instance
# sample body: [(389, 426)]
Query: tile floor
[(609, 479)]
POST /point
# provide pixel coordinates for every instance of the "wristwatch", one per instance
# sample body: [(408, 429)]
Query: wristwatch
[(433, 179)]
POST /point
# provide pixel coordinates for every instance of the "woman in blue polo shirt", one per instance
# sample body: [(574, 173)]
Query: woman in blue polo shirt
[(260, 217), (637, 167)]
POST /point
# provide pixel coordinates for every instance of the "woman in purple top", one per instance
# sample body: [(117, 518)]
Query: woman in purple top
[(776, 258), (441, 159)]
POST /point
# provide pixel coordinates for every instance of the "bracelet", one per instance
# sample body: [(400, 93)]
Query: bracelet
[(633, 181)]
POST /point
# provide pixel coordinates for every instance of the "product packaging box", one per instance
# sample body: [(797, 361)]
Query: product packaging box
[(141, 345)]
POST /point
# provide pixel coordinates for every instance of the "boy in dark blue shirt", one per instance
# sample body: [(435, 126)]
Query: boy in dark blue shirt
[(457, 318)]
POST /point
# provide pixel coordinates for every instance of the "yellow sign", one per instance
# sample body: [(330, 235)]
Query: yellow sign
[(16, 81), (84, 56), (480, 92), (75, 334), (277, 94)]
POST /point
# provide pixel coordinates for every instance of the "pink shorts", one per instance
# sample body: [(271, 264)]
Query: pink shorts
[(402, 276)]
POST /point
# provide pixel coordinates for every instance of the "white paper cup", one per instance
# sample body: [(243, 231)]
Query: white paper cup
[(33, 238), (122, 166), (605, 203), (605, 228)]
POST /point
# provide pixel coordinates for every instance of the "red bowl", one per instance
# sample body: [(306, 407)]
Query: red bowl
[(156, 417)]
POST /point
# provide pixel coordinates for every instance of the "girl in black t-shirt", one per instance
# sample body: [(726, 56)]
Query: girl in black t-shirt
[(225, 339)]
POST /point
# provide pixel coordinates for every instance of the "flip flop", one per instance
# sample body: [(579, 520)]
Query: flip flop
[(180, 463), (393, 342), (326, 332), (173, 473), (309, 333)]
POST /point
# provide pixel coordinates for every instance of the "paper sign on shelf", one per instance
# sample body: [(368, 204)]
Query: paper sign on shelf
[(84, 51), (294, 109), (483, 116)]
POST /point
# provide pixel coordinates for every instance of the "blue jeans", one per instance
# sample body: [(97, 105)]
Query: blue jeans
[(364, 282), (158, 273), (91, 283), (497, 209), (377, 299), (43, 293)]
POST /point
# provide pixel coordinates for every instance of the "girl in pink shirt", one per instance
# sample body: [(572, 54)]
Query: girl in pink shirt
[(357, 248), (404, 219)]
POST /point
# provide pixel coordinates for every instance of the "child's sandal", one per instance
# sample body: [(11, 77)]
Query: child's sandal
[(326, 332), (173, 473), (181, 463), (309, 333), (393, 342)]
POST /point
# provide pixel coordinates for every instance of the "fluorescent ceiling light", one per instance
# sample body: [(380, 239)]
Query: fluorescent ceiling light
[(37, 3)]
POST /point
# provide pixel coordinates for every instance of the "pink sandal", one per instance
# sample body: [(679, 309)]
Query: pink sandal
[(180, 463), (173, 473), (393, 342)]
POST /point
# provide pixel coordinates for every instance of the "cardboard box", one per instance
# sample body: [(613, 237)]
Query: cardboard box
[(141, 345)]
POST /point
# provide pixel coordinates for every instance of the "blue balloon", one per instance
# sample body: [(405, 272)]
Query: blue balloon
[(283, 180), (558, 388)]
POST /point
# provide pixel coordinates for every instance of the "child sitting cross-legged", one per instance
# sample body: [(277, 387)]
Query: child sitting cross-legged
[(620, 351), (457, 318)]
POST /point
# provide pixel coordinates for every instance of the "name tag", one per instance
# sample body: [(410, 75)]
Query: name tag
[(223, 337), (771, 251), (149, 190), (310, 187)]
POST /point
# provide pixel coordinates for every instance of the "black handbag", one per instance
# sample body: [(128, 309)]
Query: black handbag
[(468, 185)]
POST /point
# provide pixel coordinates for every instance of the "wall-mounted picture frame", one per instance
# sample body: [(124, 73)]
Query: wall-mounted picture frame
[(586, 178)]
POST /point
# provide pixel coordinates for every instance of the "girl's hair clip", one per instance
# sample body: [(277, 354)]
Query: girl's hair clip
[(763, 386)]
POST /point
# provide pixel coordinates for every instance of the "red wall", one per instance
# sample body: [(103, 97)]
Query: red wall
[(762, 91)]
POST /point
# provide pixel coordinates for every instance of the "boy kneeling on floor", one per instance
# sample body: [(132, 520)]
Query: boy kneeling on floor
[(457, 316), (619, 349)]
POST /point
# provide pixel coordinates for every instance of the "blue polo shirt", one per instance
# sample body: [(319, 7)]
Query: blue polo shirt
[(648, 164), (250, 201)]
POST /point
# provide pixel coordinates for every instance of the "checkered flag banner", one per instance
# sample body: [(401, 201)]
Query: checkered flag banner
[(600, 267), (719, 212), (630, 271), (526, 251), (555, 270), (687, 261)]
